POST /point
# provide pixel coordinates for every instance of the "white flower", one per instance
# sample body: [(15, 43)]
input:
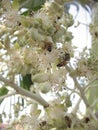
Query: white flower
[(11, 18)]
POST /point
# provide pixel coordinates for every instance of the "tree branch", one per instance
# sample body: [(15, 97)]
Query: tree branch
[(70, 69), (24, 92), (8, 95), (74, 111), (72, 90), (82, 94), (88, 85), (94, 103)]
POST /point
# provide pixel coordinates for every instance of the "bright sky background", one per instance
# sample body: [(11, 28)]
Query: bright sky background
[(81, 33)]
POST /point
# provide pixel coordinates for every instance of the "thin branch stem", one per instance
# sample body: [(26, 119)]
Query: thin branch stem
[(77, 85), (24, 92), (88, 85), (76, 106), (82, 94), (93, 86), (7, 95), (73, 90), (94, 103)]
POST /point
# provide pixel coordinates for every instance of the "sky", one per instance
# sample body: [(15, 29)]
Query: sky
[(80, 31)]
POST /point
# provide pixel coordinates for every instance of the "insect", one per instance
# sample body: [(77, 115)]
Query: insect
[(47, 46), (68, 121), (64, 61), (96, 34), (43, 123)]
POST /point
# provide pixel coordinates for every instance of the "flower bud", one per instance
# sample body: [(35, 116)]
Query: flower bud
[(45, 87), (40, 77)]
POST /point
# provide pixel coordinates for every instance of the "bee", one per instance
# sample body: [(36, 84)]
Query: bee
[(47, 46), (68, 121), (43, 123), (18, 23), (64, 61), (96, 34), (31, 13)]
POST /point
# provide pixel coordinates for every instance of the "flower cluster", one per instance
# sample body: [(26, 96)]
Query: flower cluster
[(32, 42), (38, 45), (54, 115)]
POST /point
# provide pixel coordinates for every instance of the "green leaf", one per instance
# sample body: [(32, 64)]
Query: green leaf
[(26, 82), (3, 91), (31, 4), (37, 4)]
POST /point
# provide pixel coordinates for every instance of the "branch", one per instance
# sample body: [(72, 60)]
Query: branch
[(76, 106), (7, 95), (73, 90), (88, 85), (70, 70), (94, 103), (24, 92), (82, 94)]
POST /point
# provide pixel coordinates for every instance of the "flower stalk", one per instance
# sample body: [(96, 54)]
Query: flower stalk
[(24, 92)]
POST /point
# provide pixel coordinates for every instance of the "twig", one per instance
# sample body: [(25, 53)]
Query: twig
[(70, 69), (93, 86), (88, 85), (73, 90), (24, 92), (82, 94), (7, 95), (76, 106), (93, 104)]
